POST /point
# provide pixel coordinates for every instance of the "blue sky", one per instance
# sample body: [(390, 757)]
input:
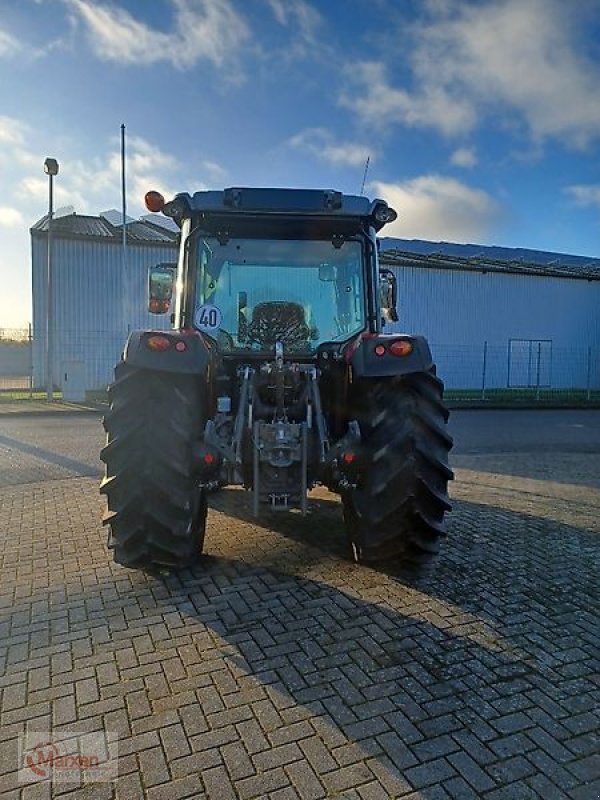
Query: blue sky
[(481, 119)]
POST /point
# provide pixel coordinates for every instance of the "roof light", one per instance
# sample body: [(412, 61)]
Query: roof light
[(154, 201), (175, 208), (383, 213), (160, 343), (401, 347)]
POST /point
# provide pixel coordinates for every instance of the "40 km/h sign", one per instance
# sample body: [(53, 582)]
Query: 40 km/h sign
[(208, 318)]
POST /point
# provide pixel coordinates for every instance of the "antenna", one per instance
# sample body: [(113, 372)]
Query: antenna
[(362, 188)]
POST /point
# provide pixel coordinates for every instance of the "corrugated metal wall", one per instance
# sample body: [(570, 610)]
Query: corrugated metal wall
[(459, 311), (88, 303), (556, 320)]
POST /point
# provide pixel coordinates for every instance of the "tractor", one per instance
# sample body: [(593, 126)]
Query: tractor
[(277, 375)]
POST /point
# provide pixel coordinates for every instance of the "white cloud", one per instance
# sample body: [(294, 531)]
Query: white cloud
[(300, 15), (12, 131), (11, 217), (203, 30), (380, 104), (215, 173), (520, 57), (86, 184), (437, 208), (321, 143), (585, 194), (464, 157), (96, 183), (9, 46)]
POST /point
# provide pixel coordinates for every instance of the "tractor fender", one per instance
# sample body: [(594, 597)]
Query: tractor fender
[(190, 358), (366, 363)]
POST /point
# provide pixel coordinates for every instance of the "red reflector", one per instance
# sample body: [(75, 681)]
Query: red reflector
[(158, 343), (154, 201), (348, 458), (379, 350), (401, 348), (209, 459), (181, 346)]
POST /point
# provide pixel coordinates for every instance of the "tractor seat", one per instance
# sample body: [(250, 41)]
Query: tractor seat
[(279, 321)]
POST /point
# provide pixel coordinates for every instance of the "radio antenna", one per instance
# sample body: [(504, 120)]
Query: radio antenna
[(362, 188)]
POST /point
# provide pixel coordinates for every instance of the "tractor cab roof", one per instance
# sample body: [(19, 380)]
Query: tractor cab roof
[(325, 206)]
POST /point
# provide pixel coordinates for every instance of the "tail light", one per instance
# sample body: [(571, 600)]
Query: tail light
[(160, 343), (207, 461), (401, 347)]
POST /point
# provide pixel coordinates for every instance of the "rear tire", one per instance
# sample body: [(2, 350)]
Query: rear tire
[(399, 503), (156, 510)]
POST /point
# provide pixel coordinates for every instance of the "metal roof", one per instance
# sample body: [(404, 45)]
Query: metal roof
[(77, 226), (479, 258)]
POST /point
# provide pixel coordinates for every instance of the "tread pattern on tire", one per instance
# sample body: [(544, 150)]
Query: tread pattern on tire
[(156, 513), (399, 504)]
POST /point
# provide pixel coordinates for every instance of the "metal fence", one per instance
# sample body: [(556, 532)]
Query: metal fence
[(519, 370), (513, 372), (16, 359)]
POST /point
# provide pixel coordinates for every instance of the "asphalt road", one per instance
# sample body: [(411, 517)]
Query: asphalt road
[(37, 448)]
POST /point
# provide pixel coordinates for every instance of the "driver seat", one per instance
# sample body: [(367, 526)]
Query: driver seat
[(279, 321)]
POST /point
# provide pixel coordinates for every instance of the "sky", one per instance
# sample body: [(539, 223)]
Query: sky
[(480, 120)]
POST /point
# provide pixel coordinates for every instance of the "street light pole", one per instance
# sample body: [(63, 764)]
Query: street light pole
[(51, 169)]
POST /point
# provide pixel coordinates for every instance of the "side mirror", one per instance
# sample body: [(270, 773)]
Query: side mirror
[(161, 282), (326, 273), (388, 292)]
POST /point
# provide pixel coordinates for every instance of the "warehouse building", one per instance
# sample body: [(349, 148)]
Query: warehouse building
[(99, 293), (498, 317), (495, 317)]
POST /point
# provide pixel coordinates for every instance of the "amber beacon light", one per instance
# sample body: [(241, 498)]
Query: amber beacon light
[(154, 201)]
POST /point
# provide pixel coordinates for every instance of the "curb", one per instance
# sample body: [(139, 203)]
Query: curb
[(18, 410)]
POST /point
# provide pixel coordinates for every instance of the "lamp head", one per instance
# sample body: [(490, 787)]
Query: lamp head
[(51, 166)]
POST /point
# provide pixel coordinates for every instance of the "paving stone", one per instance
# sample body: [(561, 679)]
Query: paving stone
[(586, 769), (430, 773), (512, 769), (153, 766), (471, 772), (587, 791), (459, 789), (478, 677), (305, 779)]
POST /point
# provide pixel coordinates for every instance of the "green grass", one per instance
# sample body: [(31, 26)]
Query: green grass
[(18, 395), (511, 397), (39, 396)]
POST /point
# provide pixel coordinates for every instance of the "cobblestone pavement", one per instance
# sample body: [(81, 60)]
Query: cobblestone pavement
[(280, 670)]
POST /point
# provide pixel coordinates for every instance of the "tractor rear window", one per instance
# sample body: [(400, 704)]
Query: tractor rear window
[(251, 293)]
